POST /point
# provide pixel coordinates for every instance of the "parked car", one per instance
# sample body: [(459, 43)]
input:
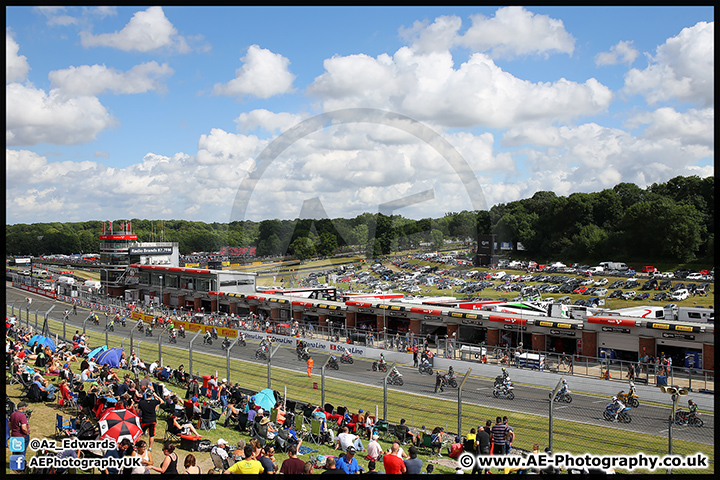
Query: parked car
[(601, 282), (695, 276), (679, 295), (629, 294), (592, 302), (649, 285), (703, 288), (579, 302), (632, 283), (615, 294), (580, 290), (616, 284), (642, 296), (564, 300), (660, 296), (648, 269), (601, 292), (665, 284), (677, 286)]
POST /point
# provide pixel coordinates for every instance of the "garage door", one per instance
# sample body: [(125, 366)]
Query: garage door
[(618, 341)]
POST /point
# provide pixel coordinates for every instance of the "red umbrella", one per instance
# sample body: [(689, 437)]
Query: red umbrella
[(119, 424)]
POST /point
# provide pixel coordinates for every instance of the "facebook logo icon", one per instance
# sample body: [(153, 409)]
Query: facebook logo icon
[(17, 462), (16, 444)]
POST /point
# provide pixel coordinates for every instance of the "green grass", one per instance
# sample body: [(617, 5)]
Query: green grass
[(419, 410)]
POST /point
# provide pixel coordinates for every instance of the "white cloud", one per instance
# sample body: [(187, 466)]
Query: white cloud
[(96, 79), (266, 120), (515, 31), (694, 127), (146, 31), (16, 66), (33, 116), (622, 52), (439, 36), (263, 75), (683, 68), (428, 88)]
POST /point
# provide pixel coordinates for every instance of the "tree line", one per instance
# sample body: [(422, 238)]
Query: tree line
[(674, 220)]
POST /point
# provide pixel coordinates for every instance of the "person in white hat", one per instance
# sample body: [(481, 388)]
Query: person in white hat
[(220, 449), (223, 394)]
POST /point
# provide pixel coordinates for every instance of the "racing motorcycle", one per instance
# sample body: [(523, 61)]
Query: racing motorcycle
[(207, 339), (425, 368), (630, 399), (623, 416), (303, 355), (682, 418), (225, 344), (122, 321), (261, 354), (214, 335), (172, 337), (504, 390), (379, 366), (346, 358), (563, 397), (451, 380), (395, 378), (333, 363), (181, 332), (148, 332), (241, 341)]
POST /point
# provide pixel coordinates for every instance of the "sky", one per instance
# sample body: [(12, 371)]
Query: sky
[(218, 114)]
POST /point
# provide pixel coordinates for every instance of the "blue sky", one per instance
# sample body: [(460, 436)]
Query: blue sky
[(150, 112)]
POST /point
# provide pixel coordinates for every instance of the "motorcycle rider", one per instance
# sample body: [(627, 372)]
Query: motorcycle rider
[(182, 331), (382, 359), (140, 325), (439, 382), (692, 409), (173, 335), (425, 364), (214, 332), (208, 337), (564, 388), (617, 406), (333, 359), (226, 342), (111, 324)]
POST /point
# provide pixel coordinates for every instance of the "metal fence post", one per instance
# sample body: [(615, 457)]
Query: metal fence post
[(460, 389), (45, 317), (160, 348), (191, 350), (385, 401), (322, 382), (270, 355), (227, 358), (36, 311)]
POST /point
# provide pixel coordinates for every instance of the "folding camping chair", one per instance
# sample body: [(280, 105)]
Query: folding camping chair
[(64, 427), (208, 418), (170, 436), (314, 436)]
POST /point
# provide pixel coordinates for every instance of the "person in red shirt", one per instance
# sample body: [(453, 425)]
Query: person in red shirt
[(392, 461), (456, 449)]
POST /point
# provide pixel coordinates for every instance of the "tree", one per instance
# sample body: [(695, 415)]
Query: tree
[(328, 244), (302, 248), (436, 239)]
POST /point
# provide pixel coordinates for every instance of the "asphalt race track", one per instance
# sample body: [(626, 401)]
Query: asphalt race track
[(647, 419)]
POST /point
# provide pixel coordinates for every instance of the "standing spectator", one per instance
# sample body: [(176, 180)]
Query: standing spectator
[(484, 438), (392, 462), (146, 460), (413, 465), (148, 406), (498, 436), (19, 424), (310, 363), (169, 464), (292, 465), (415, 356), (509, 435)]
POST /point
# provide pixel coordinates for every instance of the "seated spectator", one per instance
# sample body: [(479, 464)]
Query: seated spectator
[(220, 449), (181, 429), (456, 448)]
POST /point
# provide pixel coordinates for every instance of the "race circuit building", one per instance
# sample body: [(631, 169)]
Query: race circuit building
[(610, 336)]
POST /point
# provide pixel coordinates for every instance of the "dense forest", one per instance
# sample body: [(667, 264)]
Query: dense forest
[(668, 221)]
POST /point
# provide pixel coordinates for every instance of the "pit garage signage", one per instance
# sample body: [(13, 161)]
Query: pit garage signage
[(615, 322), (616, 329), (678, 335), (545, 323), (510, 320), (674, 328)]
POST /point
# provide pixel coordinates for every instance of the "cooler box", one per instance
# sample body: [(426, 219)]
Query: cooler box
[(190, 442), (206, 379)]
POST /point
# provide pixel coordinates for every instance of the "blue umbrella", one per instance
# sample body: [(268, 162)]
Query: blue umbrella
[(96, 351), (111, 357), (265, 399)]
